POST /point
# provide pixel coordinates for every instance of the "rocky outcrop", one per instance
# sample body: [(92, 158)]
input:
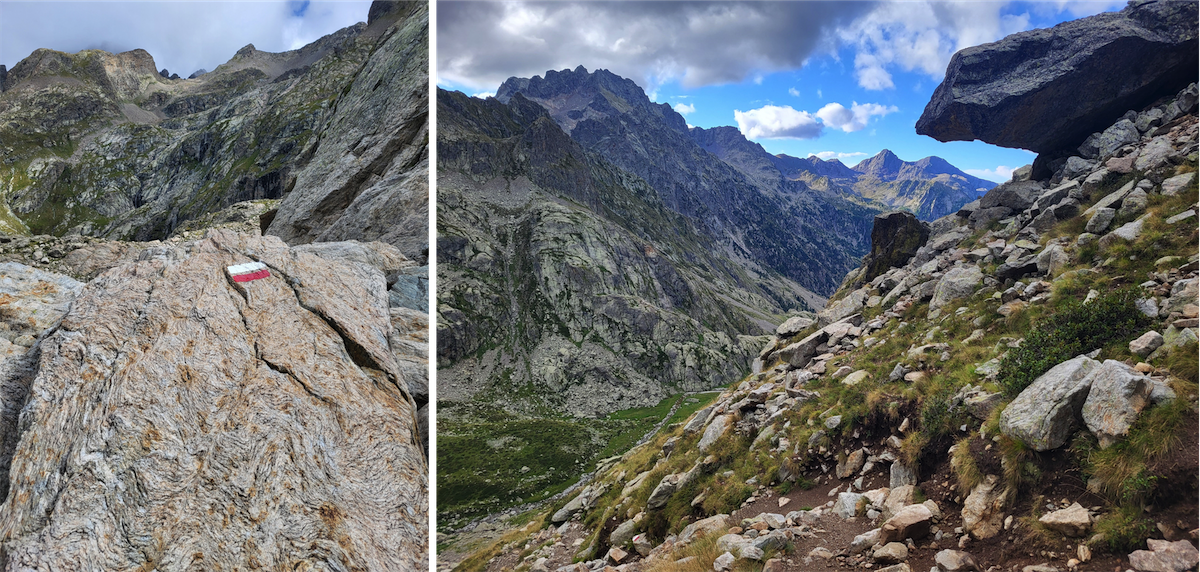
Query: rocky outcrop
[(178, 418), (983, 510), (895, 239), (32, 302), (1047, 90)]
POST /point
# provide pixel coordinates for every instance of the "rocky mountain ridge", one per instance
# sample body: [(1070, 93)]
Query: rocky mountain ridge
[(100, 144), (754, 218)]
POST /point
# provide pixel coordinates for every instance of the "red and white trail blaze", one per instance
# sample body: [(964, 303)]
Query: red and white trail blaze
[(248, 271)]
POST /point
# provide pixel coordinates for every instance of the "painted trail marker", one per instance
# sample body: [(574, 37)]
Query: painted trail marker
[(248, 271)]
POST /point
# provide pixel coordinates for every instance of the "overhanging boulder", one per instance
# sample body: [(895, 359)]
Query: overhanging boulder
[(1047, 90)]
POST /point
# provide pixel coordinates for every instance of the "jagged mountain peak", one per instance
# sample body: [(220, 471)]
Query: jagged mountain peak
[(883, 163), (573, 96)]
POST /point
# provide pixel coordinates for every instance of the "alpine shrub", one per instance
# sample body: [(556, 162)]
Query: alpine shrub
[(1075, 329)]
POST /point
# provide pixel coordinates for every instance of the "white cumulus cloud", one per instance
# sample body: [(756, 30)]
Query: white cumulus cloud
[(684, 109), (480, 44), (484, 94), (1000, 174), (921, 36), (836, 116), (827, 155), (775, 122), (793, 92)]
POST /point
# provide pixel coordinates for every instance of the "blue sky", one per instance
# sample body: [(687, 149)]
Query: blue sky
[(182, 36), (839, 80)]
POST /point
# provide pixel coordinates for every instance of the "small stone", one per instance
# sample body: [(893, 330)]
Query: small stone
[(821, 552), (724, 562), (1146, 343), (774, 565), (1072, 521), (891, 553), (955, 561)]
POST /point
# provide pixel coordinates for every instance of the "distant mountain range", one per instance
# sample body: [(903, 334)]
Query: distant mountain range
[(931, 187)]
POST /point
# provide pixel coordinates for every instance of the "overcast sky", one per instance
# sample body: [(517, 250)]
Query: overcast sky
[(182, 36), (835, 79)]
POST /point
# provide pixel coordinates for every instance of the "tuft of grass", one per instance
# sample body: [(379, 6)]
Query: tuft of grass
[(1183, 363), (703, 548), (1075, 329), (1017, 463), (1124, 530), (964, 467), (1121, 469)]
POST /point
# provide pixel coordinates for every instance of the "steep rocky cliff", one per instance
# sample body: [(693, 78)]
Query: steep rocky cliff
[(368, 176), (564, 274), (100, 144)]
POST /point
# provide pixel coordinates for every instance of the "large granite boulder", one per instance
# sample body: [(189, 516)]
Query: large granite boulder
[(958, 282), (1117, 396), (1044, 414), (1014, 195), (1047, 90), (181, 419), (895, 238)]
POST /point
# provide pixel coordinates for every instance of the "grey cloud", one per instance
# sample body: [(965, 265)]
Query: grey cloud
[(481, 44), (181, 36)]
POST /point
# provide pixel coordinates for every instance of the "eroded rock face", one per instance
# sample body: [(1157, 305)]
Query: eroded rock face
[(1046, 90), (179, 419)]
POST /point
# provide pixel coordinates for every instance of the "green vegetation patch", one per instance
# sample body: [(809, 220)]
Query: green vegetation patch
[(1075, 329), (502, 460)]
